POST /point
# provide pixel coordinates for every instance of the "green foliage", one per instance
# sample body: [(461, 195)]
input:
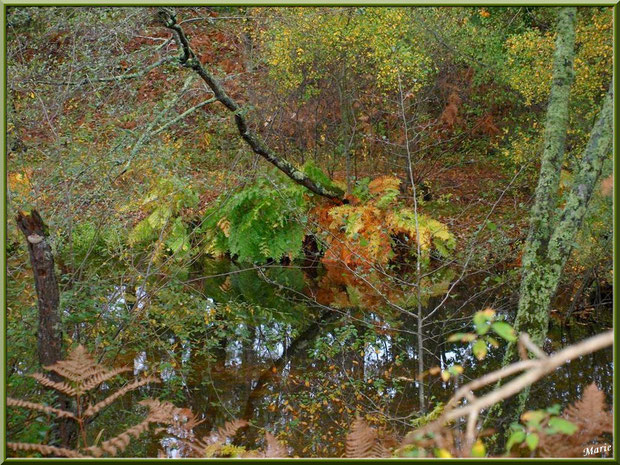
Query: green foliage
[(536, 423), (314, 172), (331, 78), (264, 221), (258, 293), (92, 243), (485, 321), (360, 190), (165, 202), (528, 70), (433, 415)]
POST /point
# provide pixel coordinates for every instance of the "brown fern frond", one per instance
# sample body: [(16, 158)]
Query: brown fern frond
[(379, 450), (198, 448), (211, 445), (183, 423), (228, 430), (274, 449), (76, 378), (188, 421), (119, 443), (78, 366), (361, 440), (591, 412), (40, 407), (45, 450), (93, 409), (592, 418), (59, 386), (101, 377), (164, 412)]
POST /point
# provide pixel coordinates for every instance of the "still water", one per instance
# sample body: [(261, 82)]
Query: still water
[(280, 354)]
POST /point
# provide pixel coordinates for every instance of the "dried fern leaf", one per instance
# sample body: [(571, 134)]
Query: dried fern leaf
[(379, 450), (274, 447), (59, 386), (99, 378), (93, 409), (45, 449), (198, 448), (119, 443), (361, 440), (78, 366), (189, 421), (164, 412), (591, 412), (228, 430), (42, 408), (591, 416), (70, 375)]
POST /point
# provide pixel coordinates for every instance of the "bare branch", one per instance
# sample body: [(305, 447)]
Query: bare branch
[(534, 370), (189, 59), (183, 115), (526, 342), (119, 78)]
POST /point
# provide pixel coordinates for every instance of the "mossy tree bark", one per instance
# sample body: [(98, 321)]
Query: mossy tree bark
[(552, 232), (542, 272), (537, 286)]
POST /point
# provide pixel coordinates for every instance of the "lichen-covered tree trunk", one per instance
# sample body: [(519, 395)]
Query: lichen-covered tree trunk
[(536, 285), (542, 276), (552, 233), (542, 273)]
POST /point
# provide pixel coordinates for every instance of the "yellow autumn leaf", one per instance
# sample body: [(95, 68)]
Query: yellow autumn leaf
[(478, 450)]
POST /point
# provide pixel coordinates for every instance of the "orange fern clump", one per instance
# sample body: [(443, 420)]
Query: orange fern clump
[(383, 184), (361, 235), (355, 235), (358, 238)]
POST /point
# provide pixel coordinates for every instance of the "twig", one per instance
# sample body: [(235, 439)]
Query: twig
[(118, 78), (183, 115), (148, 132), (534, 370), (526, 342)]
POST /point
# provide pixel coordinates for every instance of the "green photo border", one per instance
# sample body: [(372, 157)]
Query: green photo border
[(3, 232)]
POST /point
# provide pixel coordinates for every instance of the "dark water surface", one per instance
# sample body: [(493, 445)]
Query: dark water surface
[(302, 371)]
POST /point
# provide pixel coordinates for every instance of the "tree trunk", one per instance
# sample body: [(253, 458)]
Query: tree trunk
[(551, 236), (49, 332), (541, 275), (536, 285)]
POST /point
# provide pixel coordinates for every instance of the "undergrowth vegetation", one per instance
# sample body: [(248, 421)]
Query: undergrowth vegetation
[(304, 231)]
